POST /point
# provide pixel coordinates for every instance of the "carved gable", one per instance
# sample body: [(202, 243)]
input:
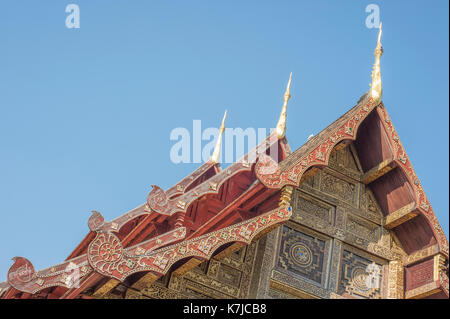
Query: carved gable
[(230, 277), (334, 246), (336, 221)]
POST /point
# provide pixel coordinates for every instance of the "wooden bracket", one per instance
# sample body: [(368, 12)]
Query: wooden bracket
[(400, 216), (376, 172)]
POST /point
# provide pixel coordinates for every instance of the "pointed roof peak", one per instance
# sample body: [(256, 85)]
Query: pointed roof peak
[(215, 157), (376, 89), (379, 34), (281, 125)]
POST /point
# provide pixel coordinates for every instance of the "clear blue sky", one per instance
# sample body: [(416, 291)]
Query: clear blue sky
[(85, 114)]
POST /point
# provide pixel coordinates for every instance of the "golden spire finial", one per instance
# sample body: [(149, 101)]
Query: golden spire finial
[(281, 125), (376, 89), (216, 154)]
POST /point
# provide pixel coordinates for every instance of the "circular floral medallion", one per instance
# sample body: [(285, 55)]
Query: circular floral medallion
[(157, 200), (20, 273), (360, 277), (110, 252), (105, 254), (301, 255)]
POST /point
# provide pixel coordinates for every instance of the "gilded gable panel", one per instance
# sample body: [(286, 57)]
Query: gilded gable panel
[(305, 204), (337, 187), (369, 204), (303, 254), (345, 162), (361, 275), (363, 229)]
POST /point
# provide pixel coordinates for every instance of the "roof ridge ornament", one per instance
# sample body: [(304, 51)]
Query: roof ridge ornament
[(215, 157), (376, 89), (281, 125)]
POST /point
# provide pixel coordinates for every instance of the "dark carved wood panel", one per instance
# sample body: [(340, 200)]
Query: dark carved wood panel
[(303, 255), (360, 276)]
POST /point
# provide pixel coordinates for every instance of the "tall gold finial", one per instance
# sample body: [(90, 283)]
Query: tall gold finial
[(281, 125), (376, 89), (216, 154)]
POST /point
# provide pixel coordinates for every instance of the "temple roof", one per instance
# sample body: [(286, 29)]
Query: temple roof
[(214, 211)]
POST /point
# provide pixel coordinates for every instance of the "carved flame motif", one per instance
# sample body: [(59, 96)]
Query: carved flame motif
[(266, 165), (20, 273), (105, 254), (157, 200), (96, 221)]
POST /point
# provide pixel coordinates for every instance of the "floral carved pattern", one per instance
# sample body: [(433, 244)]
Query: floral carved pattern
[(319, 155), (333, 185), (22, 276), (355, 271), (292, 173), (106, 254), (302, 255), (312, 208), (157, 200)]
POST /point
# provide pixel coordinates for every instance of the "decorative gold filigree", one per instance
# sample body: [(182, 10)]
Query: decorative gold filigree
[(286, 194)]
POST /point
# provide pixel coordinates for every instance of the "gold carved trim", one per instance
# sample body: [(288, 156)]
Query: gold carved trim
[(354, 153), (439, 265), (188, 265), (339, 146), (286, 195), (396, 280), (290, 290), (421, 254), (336, 296), (145, 281), (423, 291), (308, 174), (104, 289), (229, 250)]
